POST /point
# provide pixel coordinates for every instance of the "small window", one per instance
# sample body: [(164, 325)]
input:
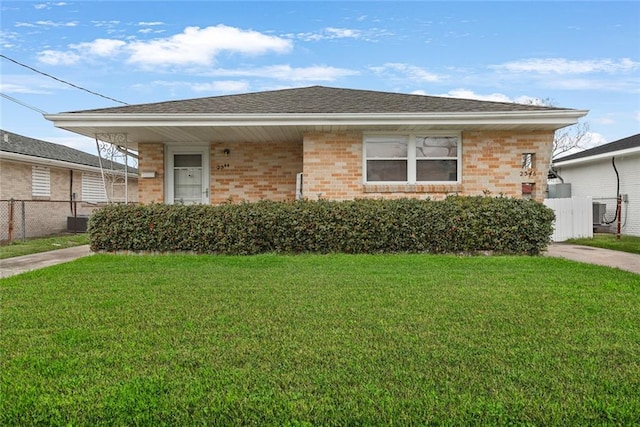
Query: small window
[(40, 181), (527, 160)]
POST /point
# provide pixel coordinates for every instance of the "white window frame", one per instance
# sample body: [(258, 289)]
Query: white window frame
[(412, 159)]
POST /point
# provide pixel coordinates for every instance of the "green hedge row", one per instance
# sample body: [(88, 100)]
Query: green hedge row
[(455, 225)]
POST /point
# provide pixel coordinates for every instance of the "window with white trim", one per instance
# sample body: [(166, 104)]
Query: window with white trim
[(93, 188), (40, 181), (412, 158)]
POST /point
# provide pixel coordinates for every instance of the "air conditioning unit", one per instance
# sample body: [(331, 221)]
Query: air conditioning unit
[(599, 210)]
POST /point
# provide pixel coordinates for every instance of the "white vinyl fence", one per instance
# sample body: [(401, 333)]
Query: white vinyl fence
[(574, 218)]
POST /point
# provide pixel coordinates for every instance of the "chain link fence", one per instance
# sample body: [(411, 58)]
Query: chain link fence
[(24, 219)]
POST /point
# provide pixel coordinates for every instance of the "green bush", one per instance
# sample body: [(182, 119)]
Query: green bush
[(457, 224)]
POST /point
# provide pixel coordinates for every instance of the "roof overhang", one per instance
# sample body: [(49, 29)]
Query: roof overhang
[(190, 128), (43, 161), (595, 158)]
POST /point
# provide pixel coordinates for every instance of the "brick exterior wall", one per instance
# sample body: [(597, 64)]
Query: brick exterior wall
[(491, 162), (42, 215), (254, 171), (15, 180), (151, 159), (332, 168)]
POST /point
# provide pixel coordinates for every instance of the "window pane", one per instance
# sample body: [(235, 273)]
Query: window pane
[(437, 170), (436, 146), (187, 185), (187, 160), (386, 170), (386, 147)]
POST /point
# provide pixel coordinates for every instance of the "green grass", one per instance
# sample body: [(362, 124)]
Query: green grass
[(320, 340), (609, 241), (32, 246)]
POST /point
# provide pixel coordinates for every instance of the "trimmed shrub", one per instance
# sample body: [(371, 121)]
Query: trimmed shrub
[(458, 224)]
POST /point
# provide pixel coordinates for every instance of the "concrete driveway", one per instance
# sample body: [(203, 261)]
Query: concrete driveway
[(21, 264), (587, 254)]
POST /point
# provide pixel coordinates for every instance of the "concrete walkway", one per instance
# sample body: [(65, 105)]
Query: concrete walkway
[(605, 257), (587, 254), (21, 264)]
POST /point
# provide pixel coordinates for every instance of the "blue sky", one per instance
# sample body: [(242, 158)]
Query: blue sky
[(583, 55)]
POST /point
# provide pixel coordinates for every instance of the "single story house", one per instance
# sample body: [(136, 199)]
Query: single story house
[(602, 173), (331, 143), (46, 178)]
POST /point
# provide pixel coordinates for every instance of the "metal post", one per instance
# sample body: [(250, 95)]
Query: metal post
[(75, 214), (619, 210), (24, 222), (10, 221)]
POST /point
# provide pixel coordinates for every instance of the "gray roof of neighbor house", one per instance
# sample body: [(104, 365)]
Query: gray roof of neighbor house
[(615, 146), (13, 143), (320, 100)]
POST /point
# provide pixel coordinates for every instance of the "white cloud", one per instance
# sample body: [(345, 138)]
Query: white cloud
[(219, 86), (566, 66), (200, 46), (225, 86), (41, 6), (286, 72), (100, 47), (53, 57), (469, 94), (332, 33), (329, 33), (57, 24), (194, 46), (342, 33), (105, 23), (150, 24), (17, 88), (406, 71), (21, 83), (494, 97)]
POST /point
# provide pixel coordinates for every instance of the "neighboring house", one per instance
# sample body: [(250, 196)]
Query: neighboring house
[(602, 173), (48, 177), (331, 143)]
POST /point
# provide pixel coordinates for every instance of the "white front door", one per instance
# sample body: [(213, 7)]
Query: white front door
[(188, 175)]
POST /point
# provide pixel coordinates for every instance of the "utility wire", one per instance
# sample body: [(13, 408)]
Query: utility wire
[(24, 104), (61, 81)]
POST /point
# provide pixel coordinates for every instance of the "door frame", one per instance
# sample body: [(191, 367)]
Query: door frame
[(171, 151)]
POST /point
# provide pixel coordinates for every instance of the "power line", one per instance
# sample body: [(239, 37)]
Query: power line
[(24, 104), (61, 81)]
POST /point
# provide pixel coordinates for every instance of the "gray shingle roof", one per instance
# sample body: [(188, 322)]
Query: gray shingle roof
[(320, 100), (621, 144), (13, 143)]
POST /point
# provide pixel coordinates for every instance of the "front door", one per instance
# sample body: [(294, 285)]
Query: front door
[(188, 176)]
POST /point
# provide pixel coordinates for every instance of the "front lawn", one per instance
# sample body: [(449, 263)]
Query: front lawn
[(320, 340), (629, 244)]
